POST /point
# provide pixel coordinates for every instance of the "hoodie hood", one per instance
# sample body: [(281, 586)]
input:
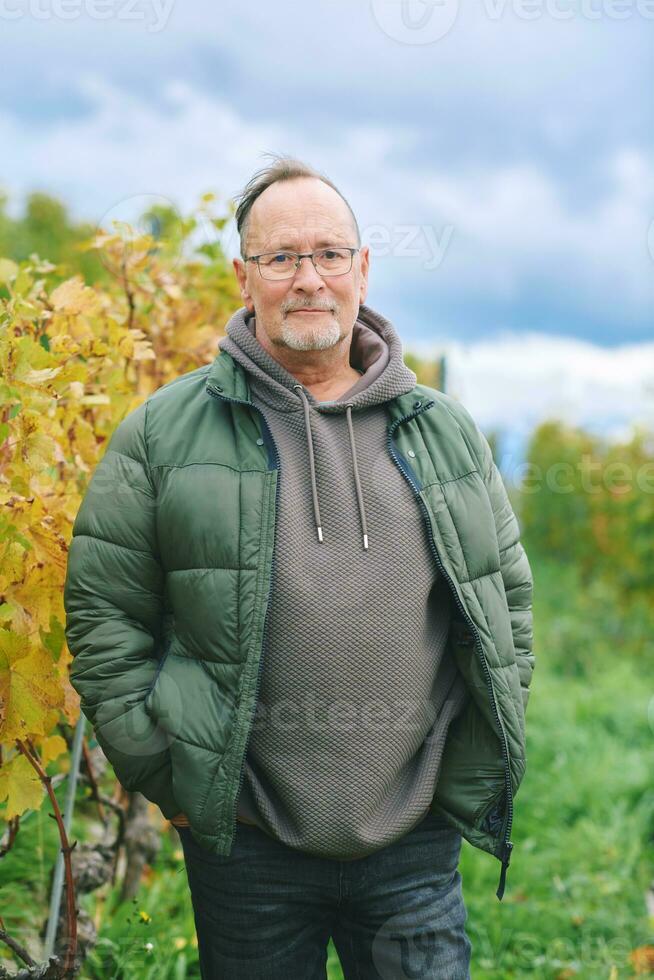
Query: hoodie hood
[(375, 351)]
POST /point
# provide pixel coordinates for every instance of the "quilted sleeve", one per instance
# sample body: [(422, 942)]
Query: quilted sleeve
[(514, 564), (516, 573), (113, 599)]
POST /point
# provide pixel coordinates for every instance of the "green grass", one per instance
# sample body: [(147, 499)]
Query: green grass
[(583, 824), (574, 905)]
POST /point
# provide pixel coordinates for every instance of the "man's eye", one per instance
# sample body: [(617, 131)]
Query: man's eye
[(274, 258)]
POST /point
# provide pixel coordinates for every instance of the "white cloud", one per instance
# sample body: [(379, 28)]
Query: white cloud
[(126, 146), (516, 221), (512, 224), (513, 382)]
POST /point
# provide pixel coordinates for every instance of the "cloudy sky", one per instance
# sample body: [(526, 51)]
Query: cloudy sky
[(499, 155)]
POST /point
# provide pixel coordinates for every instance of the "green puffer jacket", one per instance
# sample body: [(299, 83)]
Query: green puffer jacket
[(168, 580)]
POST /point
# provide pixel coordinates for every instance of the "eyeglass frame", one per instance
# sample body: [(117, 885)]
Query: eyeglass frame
[(303, 255)]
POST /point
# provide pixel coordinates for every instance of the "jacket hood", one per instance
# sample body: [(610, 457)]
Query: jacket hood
[(375, 351)]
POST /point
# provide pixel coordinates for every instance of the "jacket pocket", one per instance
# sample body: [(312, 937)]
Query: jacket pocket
[(472, 774), (194, 710), (150, 692), (469, 792), (168, 636)]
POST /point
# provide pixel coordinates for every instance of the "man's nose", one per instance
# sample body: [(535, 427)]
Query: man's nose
[(306, 276)]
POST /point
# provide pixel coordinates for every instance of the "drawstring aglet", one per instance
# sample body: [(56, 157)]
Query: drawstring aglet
[(365, 541), (319, 532)]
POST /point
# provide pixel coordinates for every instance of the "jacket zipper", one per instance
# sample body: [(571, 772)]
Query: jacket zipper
[(404, 468), (238, 401), (507, 844)]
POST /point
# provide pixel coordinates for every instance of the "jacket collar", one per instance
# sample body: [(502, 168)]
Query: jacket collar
[(230, 378)]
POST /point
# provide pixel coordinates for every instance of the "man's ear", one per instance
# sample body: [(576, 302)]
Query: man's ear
[(365, 265), (239, 269)]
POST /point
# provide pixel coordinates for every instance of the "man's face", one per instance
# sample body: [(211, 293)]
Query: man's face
[(302, 215)]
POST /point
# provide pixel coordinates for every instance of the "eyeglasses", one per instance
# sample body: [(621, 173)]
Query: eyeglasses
[(283, 265)]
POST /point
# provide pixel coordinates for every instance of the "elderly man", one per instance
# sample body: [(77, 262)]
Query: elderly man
[(300, 615)]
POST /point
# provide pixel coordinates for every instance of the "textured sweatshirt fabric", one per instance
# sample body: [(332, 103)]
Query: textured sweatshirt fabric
[(357, 687)]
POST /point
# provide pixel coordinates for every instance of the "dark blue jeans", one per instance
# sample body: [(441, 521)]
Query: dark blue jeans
[(267, 911)]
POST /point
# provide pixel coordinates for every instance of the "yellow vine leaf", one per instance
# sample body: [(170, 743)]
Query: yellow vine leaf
[(12, 566), (50, 545), (37, 451), (143, 351), (99, 348), (8, 270), (95, 400), (73, 297), (38, 377), (126, 346), (30, 359), (70, 708), (20, 786), (74, 360), (84, 440), (29, 687), (51, 747), (63, 343), (40, 592)]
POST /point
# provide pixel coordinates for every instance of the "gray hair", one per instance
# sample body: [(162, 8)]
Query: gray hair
[(282, 168)]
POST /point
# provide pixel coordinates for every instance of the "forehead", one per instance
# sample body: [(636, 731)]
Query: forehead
[(299, 214)]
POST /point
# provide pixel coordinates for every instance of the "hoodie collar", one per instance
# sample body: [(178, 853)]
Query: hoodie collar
[(375, 350)]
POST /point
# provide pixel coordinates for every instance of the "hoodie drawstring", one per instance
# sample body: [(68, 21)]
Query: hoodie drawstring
[(312, 467)]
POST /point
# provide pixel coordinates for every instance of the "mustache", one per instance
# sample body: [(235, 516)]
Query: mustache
[(309, 306)]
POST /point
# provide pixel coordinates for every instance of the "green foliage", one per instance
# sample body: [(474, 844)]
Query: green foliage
[(45, 229), (428, 372), (584, 815), (589, 501)]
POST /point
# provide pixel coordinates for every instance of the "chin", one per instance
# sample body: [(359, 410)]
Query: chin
[(313, 340)]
